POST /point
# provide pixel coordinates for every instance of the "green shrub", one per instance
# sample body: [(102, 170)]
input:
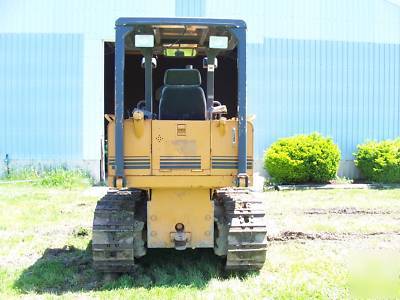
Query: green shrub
[(302, 158), (379, 161)]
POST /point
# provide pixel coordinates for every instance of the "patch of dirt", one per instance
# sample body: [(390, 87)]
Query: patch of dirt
[(331, 236), (347, 211)]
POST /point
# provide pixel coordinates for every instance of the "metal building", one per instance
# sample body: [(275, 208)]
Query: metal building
[(330, 66)]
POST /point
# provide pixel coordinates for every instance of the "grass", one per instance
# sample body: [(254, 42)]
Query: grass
[(50, 177), (45, 243)]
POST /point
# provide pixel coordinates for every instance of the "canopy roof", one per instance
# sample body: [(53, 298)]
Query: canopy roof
[(180, 32)]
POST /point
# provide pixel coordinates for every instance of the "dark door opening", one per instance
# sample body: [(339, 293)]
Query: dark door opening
[(109, 63), (225, 81)]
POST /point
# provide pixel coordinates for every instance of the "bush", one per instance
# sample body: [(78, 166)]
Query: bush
[(302, 158), (379, 161)]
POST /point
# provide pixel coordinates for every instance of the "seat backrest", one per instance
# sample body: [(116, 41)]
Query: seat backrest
[(182, 98)]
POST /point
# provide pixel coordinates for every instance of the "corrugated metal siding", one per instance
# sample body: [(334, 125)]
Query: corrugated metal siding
[(375, 21), (349, 91), (190, 8), (94, 18), (41, 96)]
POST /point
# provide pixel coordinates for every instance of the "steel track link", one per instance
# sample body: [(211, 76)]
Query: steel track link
[(116, 232), (245, 228)]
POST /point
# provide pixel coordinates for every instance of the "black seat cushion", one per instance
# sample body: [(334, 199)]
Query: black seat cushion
[(182, 103), (182, 98)]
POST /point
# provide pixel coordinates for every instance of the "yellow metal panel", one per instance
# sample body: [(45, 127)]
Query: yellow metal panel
[(137, 147), (191, 207), (181, 147), (224, 147), (183, 150), (195, 181)]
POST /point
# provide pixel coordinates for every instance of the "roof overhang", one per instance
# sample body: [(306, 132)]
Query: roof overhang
[(181, 21)]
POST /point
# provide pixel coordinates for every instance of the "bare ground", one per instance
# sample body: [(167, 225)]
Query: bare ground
[(297, 235)]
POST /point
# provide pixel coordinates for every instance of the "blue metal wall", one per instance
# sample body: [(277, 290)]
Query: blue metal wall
[(313, 65), (347, 90), (190, 8), (34, 112)]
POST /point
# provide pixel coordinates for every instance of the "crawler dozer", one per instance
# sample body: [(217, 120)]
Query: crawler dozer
[(179, 167)]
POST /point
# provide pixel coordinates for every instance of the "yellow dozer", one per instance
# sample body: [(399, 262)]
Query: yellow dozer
[(179, 166)]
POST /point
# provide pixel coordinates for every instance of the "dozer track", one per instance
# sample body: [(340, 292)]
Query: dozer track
[(118, 231), (242, 229)]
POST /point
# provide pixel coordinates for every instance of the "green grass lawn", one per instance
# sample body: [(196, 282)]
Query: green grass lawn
[(335, 244)]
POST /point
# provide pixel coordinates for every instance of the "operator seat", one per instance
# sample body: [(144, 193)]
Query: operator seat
[(182, 98)]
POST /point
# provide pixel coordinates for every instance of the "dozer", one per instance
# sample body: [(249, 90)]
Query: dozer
[(180, 162)]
